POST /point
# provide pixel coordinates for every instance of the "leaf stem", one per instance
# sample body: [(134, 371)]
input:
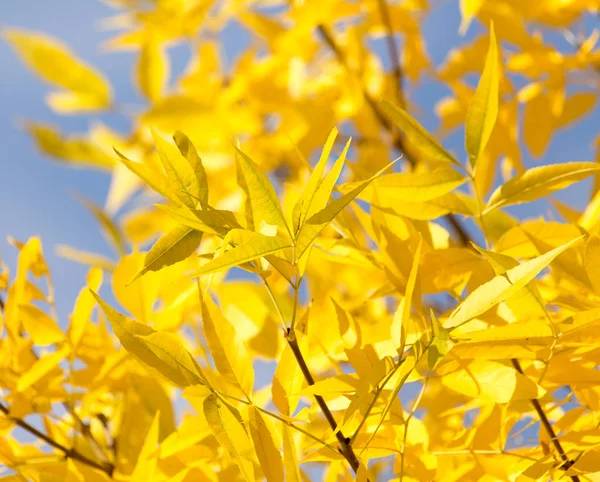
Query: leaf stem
[(69, 452), (567, 463)]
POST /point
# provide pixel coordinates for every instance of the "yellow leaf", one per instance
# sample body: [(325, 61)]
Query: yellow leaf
[(333, 386), (146, 466), (85, 257), (84, 305), (576, 106), (188, 151), (42, 329), (213, 221), (257, 247), (419, 187), (181, 177), (304, 202), (468, 10), (592, 262), (533, 331), (318, 221), (290, 457), (288, 380), (267, 451), (229, 353), (538, 182), (109, 228), (502, 287), (151, 177), (160, 350), (85, 88), (263, 198), (417, 135), (176, 245), (74, 151), (491, 380), (152, 68), (399, 326), (41, 368), (483, 110), (538, 123), (227, 426)]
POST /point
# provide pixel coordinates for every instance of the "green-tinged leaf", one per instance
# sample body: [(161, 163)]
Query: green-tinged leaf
[(538, 182), (151, 177), (250, 250), (263, 198), (160, 350), (227, 426), (85, 88), (317, 222), (419, 187), (483, 110), (174, 246), (417, 135), (213, 221), (229, 353), (267, 451), (181, 176), (109, 227), (303, 205), (188, 150), (502, 287)]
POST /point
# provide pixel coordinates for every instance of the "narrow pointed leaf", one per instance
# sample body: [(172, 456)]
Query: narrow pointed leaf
[(226, 425), (502, 287), (483, 110), (229, 353), (182, 179), (160, 350), (299, 213), (538, 182), (188, 150), (250, 250), (267, 452), (417, 135), (263, 198), (174, 246)]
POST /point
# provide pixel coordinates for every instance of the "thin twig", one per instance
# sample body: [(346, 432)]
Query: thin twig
[(567, 463), (345, 448), (408, 419), (69, 452)]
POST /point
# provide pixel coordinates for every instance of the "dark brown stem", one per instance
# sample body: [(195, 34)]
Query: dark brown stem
[(1, 303), (69, 452), (345, 448), (397, 140), (549, 430)]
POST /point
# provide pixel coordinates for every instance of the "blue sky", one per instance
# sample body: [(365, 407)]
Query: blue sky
[(37, 195)]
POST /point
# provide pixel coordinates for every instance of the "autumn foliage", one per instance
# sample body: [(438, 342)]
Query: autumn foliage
[(301, 227)]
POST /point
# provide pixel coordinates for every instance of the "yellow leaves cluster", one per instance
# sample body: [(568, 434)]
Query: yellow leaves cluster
[(320, 314)]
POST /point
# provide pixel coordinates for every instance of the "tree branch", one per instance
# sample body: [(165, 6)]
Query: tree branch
[(567, 463), (345, 448), (397, 139), (69, 452)]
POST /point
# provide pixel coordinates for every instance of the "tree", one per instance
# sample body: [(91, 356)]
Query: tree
[(414, 325)]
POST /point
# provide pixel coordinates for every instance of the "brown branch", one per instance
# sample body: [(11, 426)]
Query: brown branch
[(567, 463), (345, 448), (69, 452), (397, 139)]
